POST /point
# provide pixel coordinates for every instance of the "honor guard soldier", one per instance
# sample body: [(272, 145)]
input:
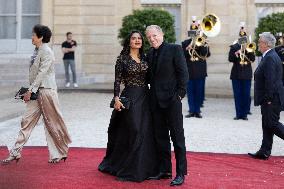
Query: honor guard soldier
[(242, 55), (196, 50), (202, 98), (194, 24), (280, 50)]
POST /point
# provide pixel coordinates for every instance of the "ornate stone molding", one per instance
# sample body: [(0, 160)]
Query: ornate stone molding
[(160, 2), (159, 5), (269, 4)]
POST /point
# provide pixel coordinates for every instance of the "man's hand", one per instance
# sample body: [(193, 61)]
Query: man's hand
[(27, 96), (189, 47), (65, 50), (237, 53)]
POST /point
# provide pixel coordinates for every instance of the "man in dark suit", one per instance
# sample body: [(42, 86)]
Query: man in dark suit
[(241, 76), (167, 77), (269, 93), (195, 56)]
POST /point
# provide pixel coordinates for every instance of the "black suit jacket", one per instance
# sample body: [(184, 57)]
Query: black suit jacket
[(170, 76), (196, 69), (268, 79), (240, 71)]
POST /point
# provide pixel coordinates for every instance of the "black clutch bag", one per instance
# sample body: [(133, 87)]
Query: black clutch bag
[(22, 91), (124, 100)]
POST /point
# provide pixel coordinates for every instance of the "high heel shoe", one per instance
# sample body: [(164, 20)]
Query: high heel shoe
[(64, 158), (10, 159), (54, 160), (57, 160)]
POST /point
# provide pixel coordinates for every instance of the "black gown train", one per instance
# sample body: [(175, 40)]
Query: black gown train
[(131, 152)]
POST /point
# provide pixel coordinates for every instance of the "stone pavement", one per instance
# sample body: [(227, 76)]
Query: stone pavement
[(12, 108), (87, 115)]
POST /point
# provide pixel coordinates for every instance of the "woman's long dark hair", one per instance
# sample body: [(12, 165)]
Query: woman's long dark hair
[(126, 45)]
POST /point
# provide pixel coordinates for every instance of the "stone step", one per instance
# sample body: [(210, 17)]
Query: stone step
[(82, 80)]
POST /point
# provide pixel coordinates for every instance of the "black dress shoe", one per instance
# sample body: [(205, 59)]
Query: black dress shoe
[(190, 115), (244, 118), (161, 176), (198, 115), (177, 181), (259, 155), (122, 179), (236, 118)]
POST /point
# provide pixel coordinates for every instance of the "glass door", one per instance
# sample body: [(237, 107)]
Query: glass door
[(8, 25), (17, 17)]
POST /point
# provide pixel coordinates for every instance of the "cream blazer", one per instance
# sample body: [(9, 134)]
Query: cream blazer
[(42, 72)]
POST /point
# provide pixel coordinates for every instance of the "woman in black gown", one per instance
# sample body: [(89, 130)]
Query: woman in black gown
[(131, 153)]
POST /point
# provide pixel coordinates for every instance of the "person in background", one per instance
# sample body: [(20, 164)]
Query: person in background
[(241, 76), (280, 51), (68, 49), (195, 55)]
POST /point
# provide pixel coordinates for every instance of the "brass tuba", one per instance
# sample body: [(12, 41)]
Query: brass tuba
[(199, 41), (211, 25), (251, 47), (246, 46)]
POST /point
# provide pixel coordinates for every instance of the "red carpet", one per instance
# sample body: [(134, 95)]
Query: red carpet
[(206, 170)]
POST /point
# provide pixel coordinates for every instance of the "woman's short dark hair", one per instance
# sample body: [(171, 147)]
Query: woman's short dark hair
[(126, 44), (42, 31)]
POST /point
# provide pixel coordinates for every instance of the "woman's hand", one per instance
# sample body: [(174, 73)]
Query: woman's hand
[(118, 105), (27, 96)]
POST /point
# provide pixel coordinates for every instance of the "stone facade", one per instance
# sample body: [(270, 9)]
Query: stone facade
[(95, 25)]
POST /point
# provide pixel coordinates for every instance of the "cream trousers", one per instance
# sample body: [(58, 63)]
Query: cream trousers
[(57, 136)]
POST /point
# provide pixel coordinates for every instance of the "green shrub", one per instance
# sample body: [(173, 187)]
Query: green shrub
[(140, 19), (273, 23)]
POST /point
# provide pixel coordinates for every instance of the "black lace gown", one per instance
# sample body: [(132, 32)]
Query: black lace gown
[(131, 153)]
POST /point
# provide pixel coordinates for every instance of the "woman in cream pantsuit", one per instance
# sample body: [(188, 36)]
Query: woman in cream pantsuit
[(42, 79)]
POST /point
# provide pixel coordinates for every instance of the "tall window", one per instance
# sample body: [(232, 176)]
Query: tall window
[(8, 19), (30, 16), (173, 9), (17, 17)]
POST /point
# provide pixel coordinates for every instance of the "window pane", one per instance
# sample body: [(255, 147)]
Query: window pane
[(31, 6), (8, 27), (28, 23), (8, 6)]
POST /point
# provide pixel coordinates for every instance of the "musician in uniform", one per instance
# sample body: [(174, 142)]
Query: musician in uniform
[(241, 76), (202, 98), (195, 55), (280, 51)]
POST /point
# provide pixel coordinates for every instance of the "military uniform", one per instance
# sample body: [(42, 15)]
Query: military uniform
[(241, 76), (197, 73), (280, 51)]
